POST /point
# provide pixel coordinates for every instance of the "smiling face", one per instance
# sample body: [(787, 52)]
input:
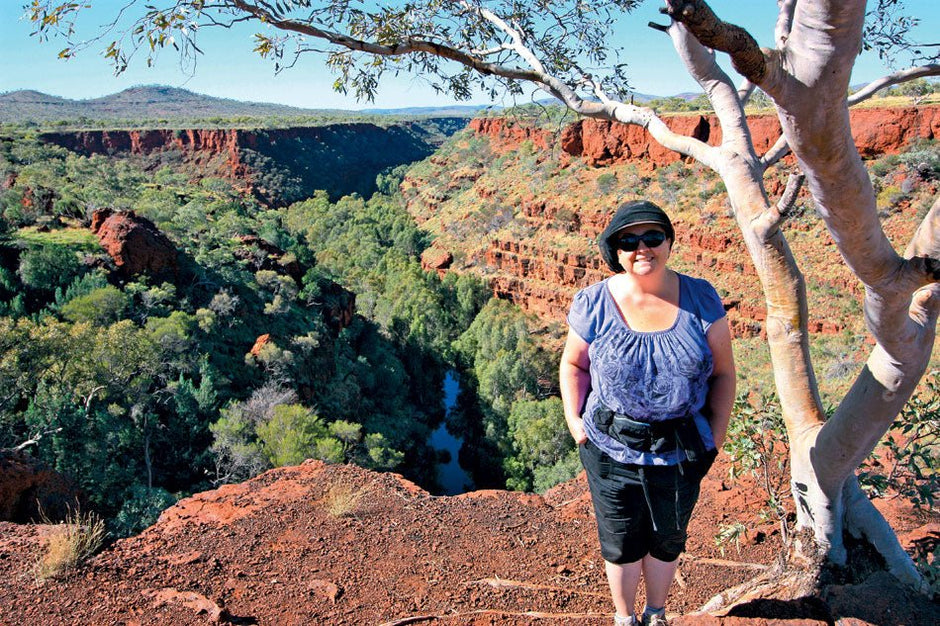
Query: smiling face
[(644, 261)]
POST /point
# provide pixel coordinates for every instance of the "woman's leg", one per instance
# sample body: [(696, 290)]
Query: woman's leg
[(658, 576), (623, 580)]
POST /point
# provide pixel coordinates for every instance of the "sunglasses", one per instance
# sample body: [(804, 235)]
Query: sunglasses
[(630, 242)]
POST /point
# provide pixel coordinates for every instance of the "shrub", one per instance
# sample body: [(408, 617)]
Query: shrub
[(910, 451), (289, 437), (923, 158), (101, 307), (884, 165), (141, 510), (46, 267), (606, 182), (755, 436), (342, 500), (71, 544)]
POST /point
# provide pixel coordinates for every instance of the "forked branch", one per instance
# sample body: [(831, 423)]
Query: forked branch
[(746, 56), (768, 222)]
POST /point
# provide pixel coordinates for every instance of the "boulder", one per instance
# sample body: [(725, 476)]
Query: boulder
[(263, 255), (30, 491), (134, 243), (437, 260)]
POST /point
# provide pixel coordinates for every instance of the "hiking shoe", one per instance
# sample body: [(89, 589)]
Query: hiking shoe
[(654, 619), (619, 620)]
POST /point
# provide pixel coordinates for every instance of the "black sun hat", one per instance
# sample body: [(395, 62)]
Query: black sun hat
[(630, 214)]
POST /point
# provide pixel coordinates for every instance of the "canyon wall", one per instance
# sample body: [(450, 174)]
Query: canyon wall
[(540, 277), (877, 131), (280, 165)]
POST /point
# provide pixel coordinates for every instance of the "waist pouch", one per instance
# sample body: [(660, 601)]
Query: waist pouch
[(655, 437)]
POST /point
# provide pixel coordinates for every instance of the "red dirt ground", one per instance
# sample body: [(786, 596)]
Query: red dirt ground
[(270, 551)]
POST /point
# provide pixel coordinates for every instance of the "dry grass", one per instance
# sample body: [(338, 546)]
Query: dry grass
[(77, 236), (342, 500), (70, 544)]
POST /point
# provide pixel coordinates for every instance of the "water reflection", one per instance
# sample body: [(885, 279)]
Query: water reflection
[(452, 478)]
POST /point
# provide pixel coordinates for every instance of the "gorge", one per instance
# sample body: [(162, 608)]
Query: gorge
[(506, 201)]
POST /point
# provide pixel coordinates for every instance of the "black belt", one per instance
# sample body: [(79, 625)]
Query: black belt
[(655, 437)]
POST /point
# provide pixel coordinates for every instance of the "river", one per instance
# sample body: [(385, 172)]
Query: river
[(452, 478)]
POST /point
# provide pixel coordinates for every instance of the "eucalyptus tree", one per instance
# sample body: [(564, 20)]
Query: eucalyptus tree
[(564, 48)]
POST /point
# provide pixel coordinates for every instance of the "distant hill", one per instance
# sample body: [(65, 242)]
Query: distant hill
[(156, 105), (161, 106)]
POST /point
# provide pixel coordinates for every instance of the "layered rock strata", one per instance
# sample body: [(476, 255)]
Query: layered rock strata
[(541, 278)]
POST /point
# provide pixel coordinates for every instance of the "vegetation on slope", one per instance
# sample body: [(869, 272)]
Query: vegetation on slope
[(144, 388)]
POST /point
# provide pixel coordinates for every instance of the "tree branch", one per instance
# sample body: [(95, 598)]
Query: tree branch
[(926, 240), (745, 89), (784, 22), (746, 56), (408, 46), (684, 145), (35, 439), (768, 222), (517, 44), (902, 76), (776, 152)]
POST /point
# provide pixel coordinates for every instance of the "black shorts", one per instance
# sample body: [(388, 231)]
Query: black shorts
[(631, 523)]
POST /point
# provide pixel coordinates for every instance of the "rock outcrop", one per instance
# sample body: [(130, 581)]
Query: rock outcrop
[(437, 260), (134, 243), (30, 491), (539, 276), (340, 545)]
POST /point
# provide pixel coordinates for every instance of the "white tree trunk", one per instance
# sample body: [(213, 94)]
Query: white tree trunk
[(808, 79)]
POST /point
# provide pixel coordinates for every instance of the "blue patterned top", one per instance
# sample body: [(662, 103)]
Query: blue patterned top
[(649, 376)]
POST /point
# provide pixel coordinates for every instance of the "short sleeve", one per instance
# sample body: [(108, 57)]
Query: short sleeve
[(710, 306), (581, 318)]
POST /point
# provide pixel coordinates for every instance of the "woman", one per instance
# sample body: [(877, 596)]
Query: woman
[(647, 381)]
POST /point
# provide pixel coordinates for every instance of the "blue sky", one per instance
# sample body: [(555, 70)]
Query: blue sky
[(229, 69)]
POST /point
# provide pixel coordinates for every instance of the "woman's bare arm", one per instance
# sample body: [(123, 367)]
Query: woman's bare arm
[(721, 385), (575, 381)]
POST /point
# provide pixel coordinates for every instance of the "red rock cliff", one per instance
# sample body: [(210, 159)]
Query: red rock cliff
[(279, 165), (876, 131), (202, 142), (541, 278)]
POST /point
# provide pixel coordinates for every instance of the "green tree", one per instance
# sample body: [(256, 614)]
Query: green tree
[(100, 307), (542, 452), (48, 267), (507, 363), (236, 447), (291, 435)]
